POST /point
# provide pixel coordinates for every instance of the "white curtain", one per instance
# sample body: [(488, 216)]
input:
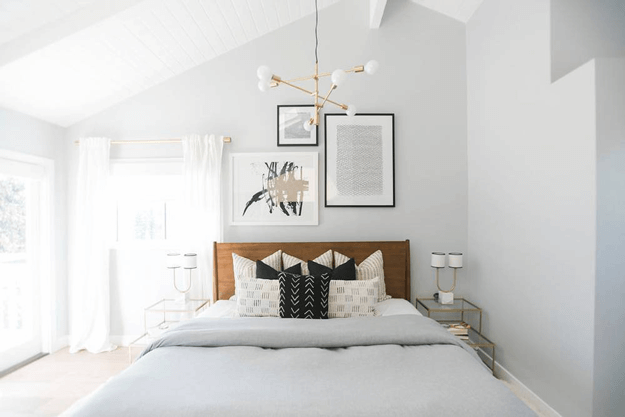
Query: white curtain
[(89, 279), (202, 196)]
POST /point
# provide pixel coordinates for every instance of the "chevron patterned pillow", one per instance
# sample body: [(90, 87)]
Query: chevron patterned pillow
[(304, 296), (352, 298)]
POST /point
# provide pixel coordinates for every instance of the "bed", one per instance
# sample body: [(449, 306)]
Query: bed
[(397, 363)]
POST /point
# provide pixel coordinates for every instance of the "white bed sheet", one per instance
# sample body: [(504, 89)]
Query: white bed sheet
[(392, 307)]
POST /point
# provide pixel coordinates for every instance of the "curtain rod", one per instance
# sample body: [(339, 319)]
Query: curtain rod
[(227, 139)]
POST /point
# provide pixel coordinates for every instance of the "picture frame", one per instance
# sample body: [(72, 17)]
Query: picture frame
[(359, 160), (291, 130), (275, 188)]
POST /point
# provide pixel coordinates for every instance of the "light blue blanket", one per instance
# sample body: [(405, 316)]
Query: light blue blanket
[(397, 365)]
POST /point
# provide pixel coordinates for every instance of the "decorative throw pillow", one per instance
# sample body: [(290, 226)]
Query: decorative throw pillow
[(370, 268), (352, 298), (264, 271), (323, 259), (258, 297), (246, 268), (304, 296), (345, 272)]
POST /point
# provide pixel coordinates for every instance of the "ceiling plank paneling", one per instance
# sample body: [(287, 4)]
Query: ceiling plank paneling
[(121, 51), (461, 10)]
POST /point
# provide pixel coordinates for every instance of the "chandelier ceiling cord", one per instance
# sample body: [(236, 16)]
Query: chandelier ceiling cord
[(270, 80)]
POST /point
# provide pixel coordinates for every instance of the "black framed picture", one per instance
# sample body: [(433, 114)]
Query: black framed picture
[(360, 160), (291, 130)]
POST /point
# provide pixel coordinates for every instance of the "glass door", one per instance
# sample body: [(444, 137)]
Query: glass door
[(20, 262)]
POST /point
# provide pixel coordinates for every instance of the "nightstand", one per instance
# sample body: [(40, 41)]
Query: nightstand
[(462, 310), (164, 315)]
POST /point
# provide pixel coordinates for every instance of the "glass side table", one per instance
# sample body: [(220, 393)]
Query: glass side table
[(164, 315), (460, 310), (485, 348)]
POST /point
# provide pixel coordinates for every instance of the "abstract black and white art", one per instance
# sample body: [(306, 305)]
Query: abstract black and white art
[(291, 131), (275, 189), (359, 160)]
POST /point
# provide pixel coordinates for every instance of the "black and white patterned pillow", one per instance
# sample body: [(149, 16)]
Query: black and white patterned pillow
[(304, 296)]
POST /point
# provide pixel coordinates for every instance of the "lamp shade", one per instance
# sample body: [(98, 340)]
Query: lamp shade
[(189, 261), (455, 260), (173, 260), (438, 260)]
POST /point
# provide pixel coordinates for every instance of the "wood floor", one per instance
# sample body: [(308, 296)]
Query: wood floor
[(48, 386)]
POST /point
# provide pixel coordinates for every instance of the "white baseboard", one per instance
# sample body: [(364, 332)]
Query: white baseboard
[(537, 404), (123, 339), (60, 343)]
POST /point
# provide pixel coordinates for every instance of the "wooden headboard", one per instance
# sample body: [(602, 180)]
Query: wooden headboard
[(396, 261)]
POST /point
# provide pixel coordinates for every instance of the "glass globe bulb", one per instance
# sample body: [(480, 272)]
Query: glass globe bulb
[(338, 76), (351, 110), (264, 73), (371, 67), (263, 85), (307, 126)]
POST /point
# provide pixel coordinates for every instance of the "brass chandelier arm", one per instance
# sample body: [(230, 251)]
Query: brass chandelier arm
[(327, 95), (311, 93), (357, 68)]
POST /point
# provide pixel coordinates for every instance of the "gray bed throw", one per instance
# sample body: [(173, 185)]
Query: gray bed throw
[(370, 366)]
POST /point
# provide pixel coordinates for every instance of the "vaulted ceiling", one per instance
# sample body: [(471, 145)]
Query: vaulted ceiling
[(64, 60)]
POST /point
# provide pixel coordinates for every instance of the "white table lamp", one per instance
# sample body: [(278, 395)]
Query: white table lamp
[(455, 262), (188, 262)]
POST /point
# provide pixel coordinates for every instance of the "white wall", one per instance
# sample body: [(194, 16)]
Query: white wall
[(532, 202), (25, 134), (585, 29), (422, 80), (609, 358)]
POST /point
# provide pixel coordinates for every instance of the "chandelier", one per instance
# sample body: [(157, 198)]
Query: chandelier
[(270, 80)]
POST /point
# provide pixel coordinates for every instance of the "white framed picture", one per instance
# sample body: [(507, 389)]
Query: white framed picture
[(291, 131), (276, 188), (359, 160)]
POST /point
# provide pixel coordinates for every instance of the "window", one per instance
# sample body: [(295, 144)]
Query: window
[(147, 201), (25, 263)]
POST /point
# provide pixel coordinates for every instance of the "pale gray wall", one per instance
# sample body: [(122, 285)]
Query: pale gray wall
[(531, 210), (25, 134), (609, 353), (422, 79), (585, 29)]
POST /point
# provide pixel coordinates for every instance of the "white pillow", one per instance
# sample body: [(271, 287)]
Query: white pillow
[(258, 297), (323, 259), (352, 298), (220, 309), (246, 268), (370, 268), (396, 307)]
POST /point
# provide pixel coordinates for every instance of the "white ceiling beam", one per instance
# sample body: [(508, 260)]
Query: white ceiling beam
[(376, 11), (61, 28)]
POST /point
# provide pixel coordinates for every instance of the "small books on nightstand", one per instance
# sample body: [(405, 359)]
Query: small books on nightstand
[(461, 330)]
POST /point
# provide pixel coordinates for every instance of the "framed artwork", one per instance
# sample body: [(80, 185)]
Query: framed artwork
[(360, 160), (291, 130), (275, 189)]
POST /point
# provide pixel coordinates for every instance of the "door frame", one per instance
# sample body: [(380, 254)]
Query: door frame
[(47, 268)]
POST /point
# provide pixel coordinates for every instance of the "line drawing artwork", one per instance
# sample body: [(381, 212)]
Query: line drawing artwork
[(360, 160), (282, 188)]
